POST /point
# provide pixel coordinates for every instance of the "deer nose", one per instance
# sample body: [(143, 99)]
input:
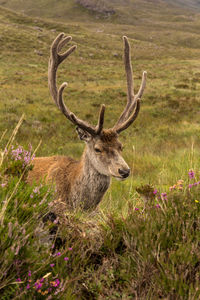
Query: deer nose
[(124, 173)]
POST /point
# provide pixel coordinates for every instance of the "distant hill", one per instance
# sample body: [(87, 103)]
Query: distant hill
[(99, 6), (118, 11), (186, 3)]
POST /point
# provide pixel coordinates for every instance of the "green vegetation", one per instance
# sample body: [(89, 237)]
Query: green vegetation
[(120, 252), (150, 251)]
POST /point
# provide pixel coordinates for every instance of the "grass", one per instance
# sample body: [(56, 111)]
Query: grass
[(146, 248), (125, 253)]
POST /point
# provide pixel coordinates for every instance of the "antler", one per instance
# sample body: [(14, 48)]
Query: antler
[(55, 60), (132, 108)]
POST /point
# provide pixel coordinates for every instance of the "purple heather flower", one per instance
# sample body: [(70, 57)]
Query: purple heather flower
[(157, 205), (66, 258), (3, 184), (136, 208), (31, 196), (56, 221), (29, 273), (58, 254), (70, 249), (28, 286), (39, 286), (164, 194), (190, 186), (36, 190), (52, 265), (18, 279), (57, 282), (42, 280), (155, 191), (191, 174)]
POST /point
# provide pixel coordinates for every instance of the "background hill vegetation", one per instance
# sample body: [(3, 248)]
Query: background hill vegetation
[(132, 251)]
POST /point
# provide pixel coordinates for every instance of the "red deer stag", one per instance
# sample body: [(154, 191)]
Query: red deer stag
[(84, 183)]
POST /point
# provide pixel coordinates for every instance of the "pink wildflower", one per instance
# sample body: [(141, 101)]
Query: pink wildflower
[(66, 258), (36, 190), (191, 174)]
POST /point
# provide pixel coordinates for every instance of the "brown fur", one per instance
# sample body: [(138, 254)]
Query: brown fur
[(82, 183)]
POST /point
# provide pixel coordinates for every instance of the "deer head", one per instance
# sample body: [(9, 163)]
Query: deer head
[(103, 147)]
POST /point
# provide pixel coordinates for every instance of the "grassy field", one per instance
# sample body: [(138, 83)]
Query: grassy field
[(161, 147), (161, 139)]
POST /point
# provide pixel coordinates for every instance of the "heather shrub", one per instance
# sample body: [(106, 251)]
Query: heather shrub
[(150, 252), (21, 209)]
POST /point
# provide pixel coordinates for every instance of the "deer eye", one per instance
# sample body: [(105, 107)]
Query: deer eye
[(97, 150)]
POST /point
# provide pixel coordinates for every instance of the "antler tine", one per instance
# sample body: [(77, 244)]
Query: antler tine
[(71, 116), (55, 59), (56, 42), (99, 126), (142, 86), (129, 78), (133, 101), (128, 69), (63, 42), (130, 120)]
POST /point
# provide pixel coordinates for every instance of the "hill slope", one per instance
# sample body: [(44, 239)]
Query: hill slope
[(118, 11), (195, 4), (95, 73)]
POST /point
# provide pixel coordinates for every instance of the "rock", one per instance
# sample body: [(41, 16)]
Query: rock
[(38, 28), (38, 52), (115, 54)]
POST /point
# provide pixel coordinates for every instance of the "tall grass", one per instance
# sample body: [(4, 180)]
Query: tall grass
[(148, 250)]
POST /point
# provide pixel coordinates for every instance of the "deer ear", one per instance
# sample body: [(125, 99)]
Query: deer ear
[(83, 135)]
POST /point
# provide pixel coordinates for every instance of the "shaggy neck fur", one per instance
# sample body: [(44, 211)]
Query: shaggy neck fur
[(91, 186)]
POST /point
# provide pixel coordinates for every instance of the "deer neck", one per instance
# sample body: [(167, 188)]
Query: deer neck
[(93, 184)]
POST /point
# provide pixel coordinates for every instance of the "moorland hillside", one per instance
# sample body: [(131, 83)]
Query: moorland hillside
[(117, 11), (144, 240), (169, 118)]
